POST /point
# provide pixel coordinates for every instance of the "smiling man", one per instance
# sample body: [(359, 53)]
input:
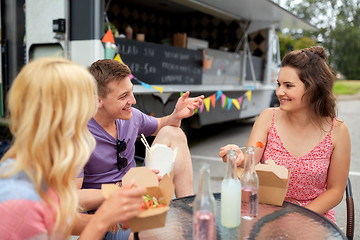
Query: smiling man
[(116, 127)]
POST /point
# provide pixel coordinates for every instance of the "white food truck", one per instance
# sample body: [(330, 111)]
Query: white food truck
[(226, 50)]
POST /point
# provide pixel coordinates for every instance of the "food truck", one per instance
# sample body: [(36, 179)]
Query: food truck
[(227, 51)]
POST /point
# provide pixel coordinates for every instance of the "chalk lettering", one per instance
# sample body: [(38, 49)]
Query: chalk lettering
[(149, 69), (130, 49), (149, 52), (171, 79)]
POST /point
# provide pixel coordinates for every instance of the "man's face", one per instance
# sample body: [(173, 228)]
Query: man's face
[(117, 103)]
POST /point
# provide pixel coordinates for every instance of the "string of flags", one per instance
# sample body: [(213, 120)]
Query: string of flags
[(226, 102), (146, 85)]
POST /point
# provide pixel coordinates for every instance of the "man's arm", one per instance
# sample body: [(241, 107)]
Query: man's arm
[(80, 223), (185, 107), (89, 199)]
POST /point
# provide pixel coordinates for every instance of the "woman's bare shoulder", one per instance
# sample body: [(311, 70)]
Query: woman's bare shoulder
[(340, 130), (268, 112), (266, 116), (339, 125)]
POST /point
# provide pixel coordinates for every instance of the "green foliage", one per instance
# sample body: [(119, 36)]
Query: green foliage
[(112, 27), (289, 43), (342, 87)]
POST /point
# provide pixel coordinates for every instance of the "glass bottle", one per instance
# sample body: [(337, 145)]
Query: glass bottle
[(204, 218), (231, 194), (249, 186)]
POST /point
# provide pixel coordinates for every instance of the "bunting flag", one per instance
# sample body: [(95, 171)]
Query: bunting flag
[(229, 103), (207, 103), (248, 94), (148, 86), (201, 107), (118, 58), (212, 100), (236, 103), (160, 89), (240, 100), (223, 100), (218, 94), (109, 37)]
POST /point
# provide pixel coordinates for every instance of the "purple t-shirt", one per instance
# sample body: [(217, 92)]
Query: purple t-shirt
[(102, 165)]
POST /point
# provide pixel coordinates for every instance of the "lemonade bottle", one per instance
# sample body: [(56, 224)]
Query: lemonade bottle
[(231, 194)]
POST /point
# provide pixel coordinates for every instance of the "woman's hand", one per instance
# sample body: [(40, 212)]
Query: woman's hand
[(122, 205), (240, 155)]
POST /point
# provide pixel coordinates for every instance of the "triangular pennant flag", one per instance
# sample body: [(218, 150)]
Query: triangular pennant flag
[(240, 100), (181, 93), (218, 94), (236, 103), (131, 77), (196, 111), (118, 58), (212, 99), (229, 103), (223, 100), (160, 89), (109, 37), (145, 85), (248, 94), (207, 103), (201, 107)]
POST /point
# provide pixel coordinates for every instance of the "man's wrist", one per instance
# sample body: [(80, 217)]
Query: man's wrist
[(174, 120)]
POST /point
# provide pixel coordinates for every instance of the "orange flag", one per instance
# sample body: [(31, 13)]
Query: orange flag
[(109, 37), (213, 100)]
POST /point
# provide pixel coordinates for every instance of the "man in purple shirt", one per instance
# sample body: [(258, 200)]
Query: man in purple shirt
[(116, 125)]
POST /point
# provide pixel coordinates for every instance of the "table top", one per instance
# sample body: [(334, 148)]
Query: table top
[(289, 221)]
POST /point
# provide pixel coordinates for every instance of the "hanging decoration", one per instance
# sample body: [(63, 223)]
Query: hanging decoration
[(226, 102)]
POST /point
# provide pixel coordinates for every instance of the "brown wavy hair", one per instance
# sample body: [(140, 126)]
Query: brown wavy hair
[(317, 77), (107, 70)]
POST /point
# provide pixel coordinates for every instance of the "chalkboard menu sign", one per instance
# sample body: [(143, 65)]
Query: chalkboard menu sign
[(160, 64)]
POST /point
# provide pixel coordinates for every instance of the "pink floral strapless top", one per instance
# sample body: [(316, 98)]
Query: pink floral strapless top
[(308, 177)]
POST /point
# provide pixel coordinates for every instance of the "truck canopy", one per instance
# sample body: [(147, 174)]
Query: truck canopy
[(261, 13)]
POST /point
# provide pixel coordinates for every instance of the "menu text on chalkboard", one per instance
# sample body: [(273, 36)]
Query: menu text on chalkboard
[(160, 64)]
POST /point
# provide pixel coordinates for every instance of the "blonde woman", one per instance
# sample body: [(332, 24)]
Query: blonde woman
[(50, 103)]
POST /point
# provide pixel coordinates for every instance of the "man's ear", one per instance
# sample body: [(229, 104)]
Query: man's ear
[(100, 102)]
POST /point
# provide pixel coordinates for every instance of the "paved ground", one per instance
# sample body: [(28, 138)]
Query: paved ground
[(205, 145)]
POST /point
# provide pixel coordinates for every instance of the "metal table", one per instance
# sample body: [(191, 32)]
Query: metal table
[(289, 221)]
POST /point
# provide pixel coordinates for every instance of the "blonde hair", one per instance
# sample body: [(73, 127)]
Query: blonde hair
[(50, 103)]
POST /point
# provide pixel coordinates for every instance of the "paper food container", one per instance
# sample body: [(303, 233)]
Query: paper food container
[(160, 157), (144, 177), (273, 182)]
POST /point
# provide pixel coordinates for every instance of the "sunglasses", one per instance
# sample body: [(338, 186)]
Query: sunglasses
[(121, 147)]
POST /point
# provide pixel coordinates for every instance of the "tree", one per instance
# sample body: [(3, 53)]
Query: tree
[(338, 22), (290, 42), (345, 37)]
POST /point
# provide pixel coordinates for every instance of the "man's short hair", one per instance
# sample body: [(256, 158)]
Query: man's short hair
[(107, 70)]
